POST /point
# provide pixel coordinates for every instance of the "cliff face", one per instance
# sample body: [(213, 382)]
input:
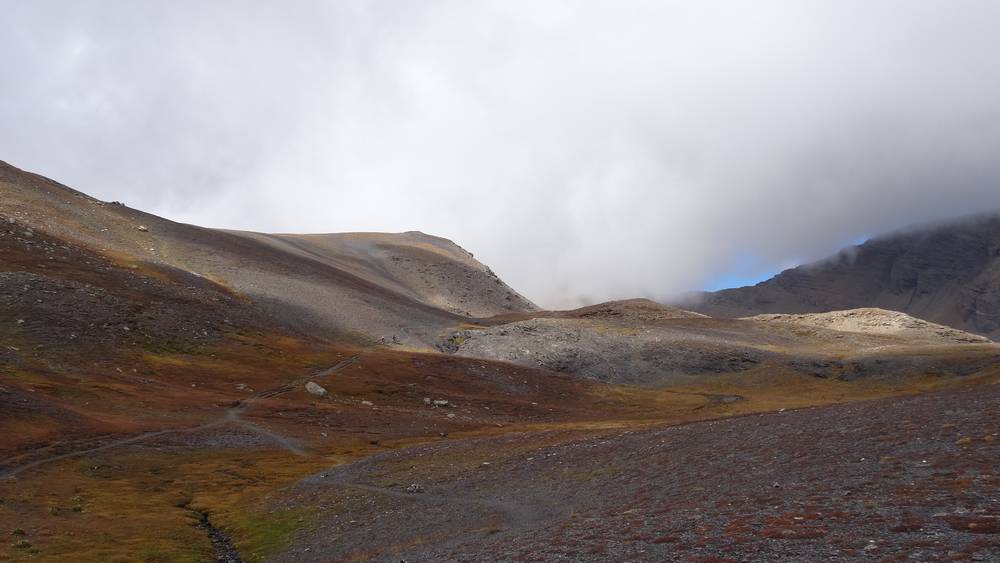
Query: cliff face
[(948, 273)]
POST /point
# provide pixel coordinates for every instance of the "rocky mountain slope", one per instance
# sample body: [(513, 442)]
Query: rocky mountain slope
[(947, 273), (176, 393), (425, 268), (910, 479), (403, 287), (635, 342)]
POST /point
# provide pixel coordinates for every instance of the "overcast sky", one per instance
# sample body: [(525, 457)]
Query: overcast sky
[(584, 150)]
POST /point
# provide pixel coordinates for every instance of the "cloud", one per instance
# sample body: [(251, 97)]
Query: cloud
[(585, 150)]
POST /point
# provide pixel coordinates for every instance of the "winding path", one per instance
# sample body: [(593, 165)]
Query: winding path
[(519, 516), (233, 415), (14, 471)]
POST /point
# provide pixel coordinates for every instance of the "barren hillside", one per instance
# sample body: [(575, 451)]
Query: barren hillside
[(405, 286), (642, 343), (175, 393), (900, 480), (947, 273), (426, 268), (877, 321)]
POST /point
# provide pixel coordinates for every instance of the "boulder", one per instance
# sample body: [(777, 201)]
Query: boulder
[(315, 389)]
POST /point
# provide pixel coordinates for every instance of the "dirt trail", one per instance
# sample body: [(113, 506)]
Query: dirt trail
[(233, 415), (519, 516), (14, 471), (712, 397)]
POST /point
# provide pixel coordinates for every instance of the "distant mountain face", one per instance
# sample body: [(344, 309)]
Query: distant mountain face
[(370, 286), (947, 273)]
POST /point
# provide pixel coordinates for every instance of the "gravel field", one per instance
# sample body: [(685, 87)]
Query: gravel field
[(902, 479)]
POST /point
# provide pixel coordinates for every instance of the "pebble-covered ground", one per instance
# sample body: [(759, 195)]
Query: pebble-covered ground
[(912, 478)]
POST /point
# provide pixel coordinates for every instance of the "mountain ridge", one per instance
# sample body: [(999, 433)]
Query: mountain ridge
[(946, 272), (402, 286), (154, 375)]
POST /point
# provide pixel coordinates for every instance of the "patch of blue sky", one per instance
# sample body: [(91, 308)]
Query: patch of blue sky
[(746, 269)]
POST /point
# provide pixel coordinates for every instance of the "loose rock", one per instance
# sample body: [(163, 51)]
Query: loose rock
[(315, 389)]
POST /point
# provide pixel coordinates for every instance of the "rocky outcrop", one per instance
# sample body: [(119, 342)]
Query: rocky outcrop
[(678, 349), (876, 321)]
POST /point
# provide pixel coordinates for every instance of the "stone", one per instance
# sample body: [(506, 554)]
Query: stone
[(315, 389)]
